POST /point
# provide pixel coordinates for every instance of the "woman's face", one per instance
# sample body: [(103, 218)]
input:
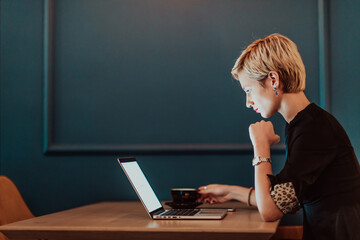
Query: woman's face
[(261, 98)]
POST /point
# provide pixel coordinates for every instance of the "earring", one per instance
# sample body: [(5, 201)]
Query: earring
[(276, 92)]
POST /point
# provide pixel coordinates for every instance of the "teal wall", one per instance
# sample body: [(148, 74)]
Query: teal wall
[(345, 66), (83, 82)]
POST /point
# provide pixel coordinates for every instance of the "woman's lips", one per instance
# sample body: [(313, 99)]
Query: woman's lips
[(256, 110)]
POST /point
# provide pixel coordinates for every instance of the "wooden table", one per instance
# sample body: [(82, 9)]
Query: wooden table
[(128, 220)]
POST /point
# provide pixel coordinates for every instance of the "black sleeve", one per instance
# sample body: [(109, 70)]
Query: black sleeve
[(309, 153)]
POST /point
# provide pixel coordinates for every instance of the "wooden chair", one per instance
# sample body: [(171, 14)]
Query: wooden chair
[(12, 206), (288, 233)]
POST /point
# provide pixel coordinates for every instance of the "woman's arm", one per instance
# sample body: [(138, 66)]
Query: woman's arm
[(267, 208), (219, 193), (263, 136)]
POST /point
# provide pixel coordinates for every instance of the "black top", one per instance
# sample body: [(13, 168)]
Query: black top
[(323, 170)]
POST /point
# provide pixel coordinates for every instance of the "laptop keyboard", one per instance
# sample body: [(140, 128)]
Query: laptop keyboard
[(180, 212)]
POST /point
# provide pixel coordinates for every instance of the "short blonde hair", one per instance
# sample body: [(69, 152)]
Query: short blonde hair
[(273, 53)]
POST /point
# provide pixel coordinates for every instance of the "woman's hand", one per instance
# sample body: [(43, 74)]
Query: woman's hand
[(262, 134), (214, 193)]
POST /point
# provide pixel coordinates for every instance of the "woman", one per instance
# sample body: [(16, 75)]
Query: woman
[(321, 173)]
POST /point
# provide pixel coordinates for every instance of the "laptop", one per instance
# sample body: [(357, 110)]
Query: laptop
[(151, 202)]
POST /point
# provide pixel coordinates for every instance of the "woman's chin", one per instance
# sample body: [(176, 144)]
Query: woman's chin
[(265, 115)]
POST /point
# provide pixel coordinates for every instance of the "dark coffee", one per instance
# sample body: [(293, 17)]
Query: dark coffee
[(184, 195)]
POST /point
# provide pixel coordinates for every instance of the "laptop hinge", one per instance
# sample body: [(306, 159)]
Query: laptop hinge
[(160, 210)]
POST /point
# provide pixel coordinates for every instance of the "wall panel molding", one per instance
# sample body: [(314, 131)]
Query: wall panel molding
[(50, 146), (324, 54), (48, 74)]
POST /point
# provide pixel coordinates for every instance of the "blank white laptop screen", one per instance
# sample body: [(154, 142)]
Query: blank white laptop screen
[(141, 185)]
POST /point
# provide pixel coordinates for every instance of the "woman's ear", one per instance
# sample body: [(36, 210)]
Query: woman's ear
[(274, 77)]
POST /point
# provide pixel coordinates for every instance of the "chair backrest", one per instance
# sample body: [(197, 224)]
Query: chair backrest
[(12, 206)]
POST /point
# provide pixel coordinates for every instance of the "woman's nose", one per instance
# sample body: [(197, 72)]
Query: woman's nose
[(249, 103)]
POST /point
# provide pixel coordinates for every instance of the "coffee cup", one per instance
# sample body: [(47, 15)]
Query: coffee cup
[(184, 195)]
